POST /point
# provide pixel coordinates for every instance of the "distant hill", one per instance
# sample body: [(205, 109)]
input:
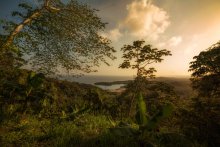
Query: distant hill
[(181, 85)]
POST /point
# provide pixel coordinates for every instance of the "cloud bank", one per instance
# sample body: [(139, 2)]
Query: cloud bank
[(143, 20)]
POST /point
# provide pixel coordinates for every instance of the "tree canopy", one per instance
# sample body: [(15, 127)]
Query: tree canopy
[(206, 71), (139, 56), (57, 36)]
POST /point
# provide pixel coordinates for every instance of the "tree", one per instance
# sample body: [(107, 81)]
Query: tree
[(138, 56), (57, 36), (206, 72), (200, 120)]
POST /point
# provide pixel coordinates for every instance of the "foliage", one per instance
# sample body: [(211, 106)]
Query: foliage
[(70, 113), (151, 123), (155, 94), (138, 56), (35, 94), (57, 36), (199, 120), (32, 131), (146, 131), (159, 116), (206, 72)]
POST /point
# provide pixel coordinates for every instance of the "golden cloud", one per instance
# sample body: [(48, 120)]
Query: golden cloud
[(145, 19)]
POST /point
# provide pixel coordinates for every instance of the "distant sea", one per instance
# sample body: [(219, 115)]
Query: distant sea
[(93, 79)]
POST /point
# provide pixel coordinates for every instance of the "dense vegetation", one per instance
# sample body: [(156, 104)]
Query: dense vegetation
[(38, 110)]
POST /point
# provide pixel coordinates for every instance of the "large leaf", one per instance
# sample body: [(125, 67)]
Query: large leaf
[(141, 116), (158, 117)]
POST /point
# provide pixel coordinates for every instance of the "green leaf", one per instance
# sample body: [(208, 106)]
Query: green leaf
[(158, 117), (141, 116)]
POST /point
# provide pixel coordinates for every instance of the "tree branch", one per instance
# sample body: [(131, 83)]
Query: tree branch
[(147, 63), (50, 8), (20, 27), (27, 21)]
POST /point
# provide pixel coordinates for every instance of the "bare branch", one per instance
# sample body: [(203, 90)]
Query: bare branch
[(50, 8)]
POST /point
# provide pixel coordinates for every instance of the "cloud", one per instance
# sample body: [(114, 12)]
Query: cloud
[(194, 45), (191, 49), (114, 34), (174, 41), (145, 20)]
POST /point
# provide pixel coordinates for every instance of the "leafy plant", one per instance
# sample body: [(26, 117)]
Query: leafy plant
[(158, 117), (152, 122), (146, 125)]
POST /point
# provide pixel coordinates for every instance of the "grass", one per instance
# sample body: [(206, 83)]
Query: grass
[(86, 130)]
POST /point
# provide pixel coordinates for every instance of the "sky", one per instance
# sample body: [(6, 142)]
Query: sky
[(185, 27)]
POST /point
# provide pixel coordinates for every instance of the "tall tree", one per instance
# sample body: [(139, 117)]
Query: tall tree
[(206, 72), (57, 36), (140, 56)]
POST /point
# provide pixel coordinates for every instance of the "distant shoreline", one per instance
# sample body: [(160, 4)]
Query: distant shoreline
[(112, 83), (181, 85), (125, 82)]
